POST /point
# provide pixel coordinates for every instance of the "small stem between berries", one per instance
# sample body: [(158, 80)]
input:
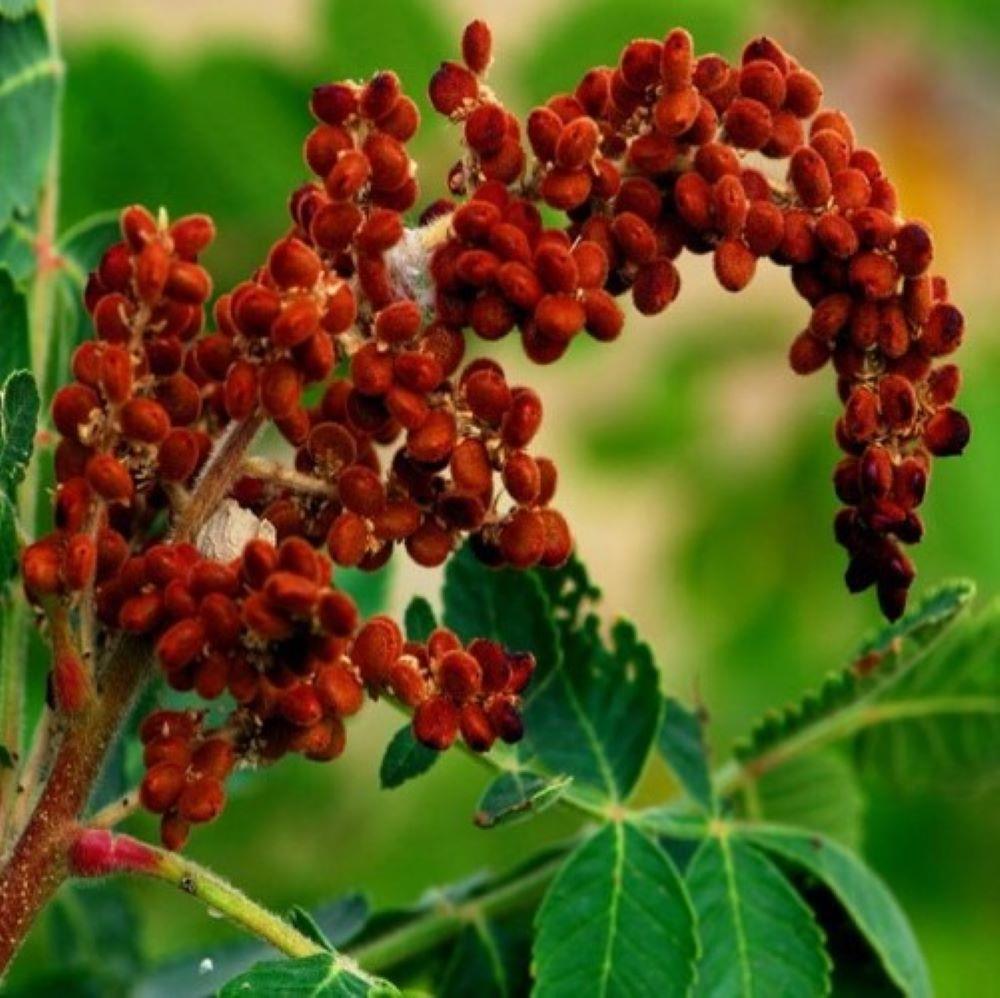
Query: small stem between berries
[(222, 468), (281, 474)]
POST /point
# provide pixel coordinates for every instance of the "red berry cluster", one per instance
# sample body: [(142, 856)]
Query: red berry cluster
[(667, 152), (185, 771), (472, 691), (287, 647), (131, 424), (346, 284), (398, 443), (269, 630)]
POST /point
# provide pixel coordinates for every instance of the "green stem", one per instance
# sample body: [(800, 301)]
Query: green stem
[(735, 775), (221, 896), (447, 919)]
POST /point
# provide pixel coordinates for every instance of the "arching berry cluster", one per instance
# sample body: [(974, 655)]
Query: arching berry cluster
[(351, 339)]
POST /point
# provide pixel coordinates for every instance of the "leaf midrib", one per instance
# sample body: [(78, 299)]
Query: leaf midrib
[(615, 903), (26, 76), (731, 893)]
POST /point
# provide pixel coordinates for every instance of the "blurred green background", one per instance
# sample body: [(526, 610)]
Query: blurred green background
[(695, 465)]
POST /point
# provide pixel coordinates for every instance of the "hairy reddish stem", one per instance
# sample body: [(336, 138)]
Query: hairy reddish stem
[(39, 861)]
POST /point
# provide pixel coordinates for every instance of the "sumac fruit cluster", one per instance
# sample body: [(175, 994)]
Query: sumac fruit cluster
[(351, 339)]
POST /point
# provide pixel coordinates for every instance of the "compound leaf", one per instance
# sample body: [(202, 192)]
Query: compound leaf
[(818, 792), (596, 718), (940, 722), (592, 708)]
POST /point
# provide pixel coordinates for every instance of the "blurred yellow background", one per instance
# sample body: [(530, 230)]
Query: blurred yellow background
[(695, 465)]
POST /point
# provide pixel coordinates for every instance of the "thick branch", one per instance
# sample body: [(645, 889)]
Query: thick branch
[(38, 864)]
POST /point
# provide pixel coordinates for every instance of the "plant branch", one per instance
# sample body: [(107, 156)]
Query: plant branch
[(221, 470), (33, 773), (97, 852), (117, 811), (735, 775), (38, 863), (280, 474), (428, 931)]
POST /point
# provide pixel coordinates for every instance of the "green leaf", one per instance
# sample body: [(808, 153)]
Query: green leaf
[(882, 659), (325, 975), (29, 89), (419, 620), (757, 936), (342, 919), (19, 404), (305, 923), (482, 963), (940, 721), (818, 792), (512, 796), (595, 719), (682, 744), (861, 892), (616, 921), (15, 349), (404, 759)]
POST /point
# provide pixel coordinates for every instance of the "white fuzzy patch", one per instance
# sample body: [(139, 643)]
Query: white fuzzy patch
[(408, 268), (229, 529)]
